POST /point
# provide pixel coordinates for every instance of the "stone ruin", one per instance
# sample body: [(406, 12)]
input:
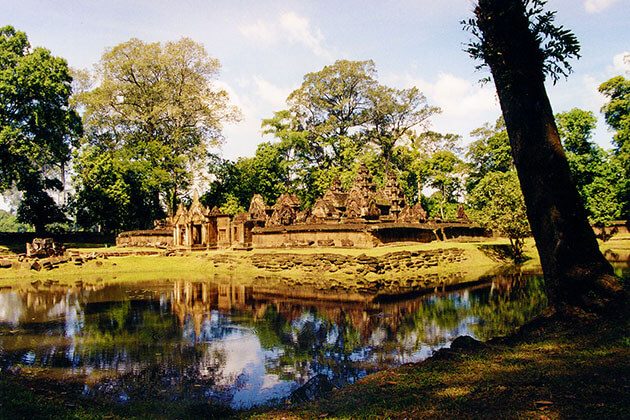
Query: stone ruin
[(363, 216), (44, 248), (364, 203)]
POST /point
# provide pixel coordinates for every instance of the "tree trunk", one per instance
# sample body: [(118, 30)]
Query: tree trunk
[(576, 272)]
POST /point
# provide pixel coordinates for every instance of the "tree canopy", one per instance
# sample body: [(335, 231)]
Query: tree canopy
[(156, 103), (37, 125), (340, 114), (617, 114)]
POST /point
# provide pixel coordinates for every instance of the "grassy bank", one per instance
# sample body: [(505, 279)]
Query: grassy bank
[(242, 265), (293, 267)]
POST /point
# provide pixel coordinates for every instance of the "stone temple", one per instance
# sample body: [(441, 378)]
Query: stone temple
[(363, 216)]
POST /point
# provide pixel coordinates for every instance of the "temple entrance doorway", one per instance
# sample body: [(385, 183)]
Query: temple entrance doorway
[(196, 235)]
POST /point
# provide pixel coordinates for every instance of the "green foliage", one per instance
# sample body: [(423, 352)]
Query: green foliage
[(113, 192), (442, 171), (39, 209), (617, 110), (597, 174), (497, 203), (156, 107), (232, 206), (10, 223), (617, 114), (576, 130), (266, 174), (491, 152), (556, 44), (37, 125), (339, 116)]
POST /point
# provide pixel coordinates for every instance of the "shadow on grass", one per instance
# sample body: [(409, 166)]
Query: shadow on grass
[(562, 368)]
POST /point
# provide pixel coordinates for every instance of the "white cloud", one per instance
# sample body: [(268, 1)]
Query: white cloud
[(596, 6), (258, 99), (273, 95), (260, 31), (465, 105), (621, 63), (291, 27), (299, 30)]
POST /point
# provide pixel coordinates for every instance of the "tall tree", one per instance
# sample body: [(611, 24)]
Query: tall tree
[(159, 102), (37, 125), (520, 43), (113, 192), (266, 173), (443, 172), (497, 203), (339, 114), (597, 174), (489, 153), (617, 114), (392, 115)]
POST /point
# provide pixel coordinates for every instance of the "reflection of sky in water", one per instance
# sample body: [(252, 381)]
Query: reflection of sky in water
[(11, 308), (219, 354)]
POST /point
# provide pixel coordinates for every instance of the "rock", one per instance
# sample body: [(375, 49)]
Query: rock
[(44, 247), (36, 266), (466, 342), (5, 264)]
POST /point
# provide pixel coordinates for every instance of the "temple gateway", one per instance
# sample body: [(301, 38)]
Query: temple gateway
[(363, 216)]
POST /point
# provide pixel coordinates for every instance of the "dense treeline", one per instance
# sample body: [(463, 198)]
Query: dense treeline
[(131, 139)]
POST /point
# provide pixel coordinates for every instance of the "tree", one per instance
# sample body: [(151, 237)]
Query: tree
[(338, 115), (521, 45), (617, 115), (232, 206), (497, 203), (9, 223), (266, 173), (112, 192), (37, 125), (575, 128), (596, 173), (489, 153), (158, 102), (393, 113), (617, 110), (442, 171)]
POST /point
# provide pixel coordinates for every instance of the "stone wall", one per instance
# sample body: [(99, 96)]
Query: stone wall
[(313, 235), (16, 241), (360, 235), (151, 238), (363, 264)]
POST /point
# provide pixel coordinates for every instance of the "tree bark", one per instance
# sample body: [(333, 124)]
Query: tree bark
[(576, 272)]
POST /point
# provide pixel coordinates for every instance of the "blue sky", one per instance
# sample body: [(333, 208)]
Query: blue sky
[(266, 47)]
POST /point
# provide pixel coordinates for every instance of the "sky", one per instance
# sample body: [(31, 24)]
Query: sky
[(266, 47)]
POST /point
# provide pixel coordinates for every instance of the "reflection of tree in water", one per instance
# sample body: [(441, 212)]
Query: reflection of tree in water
[(174, 341), (141, 341), (486, 311)]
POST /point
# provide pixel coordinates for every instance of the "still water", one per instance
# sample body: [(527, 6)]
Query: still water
[(236, 345)]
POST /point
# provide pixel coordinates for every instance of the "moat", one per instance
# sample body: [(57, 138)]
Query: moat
[(235, 345)]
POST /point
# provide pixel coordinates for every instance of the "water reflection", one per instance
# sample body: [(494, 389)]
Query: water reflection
[(240, 345)]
